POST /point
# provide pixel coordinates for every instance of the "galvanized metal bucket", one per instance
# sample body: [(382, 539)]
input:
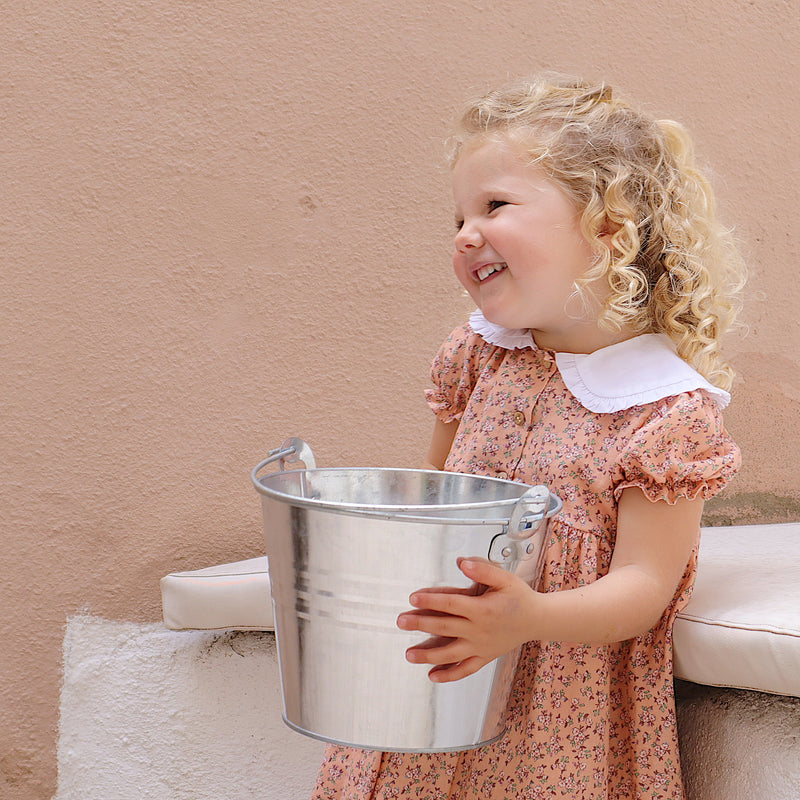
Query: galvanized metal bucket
[(346, 548)]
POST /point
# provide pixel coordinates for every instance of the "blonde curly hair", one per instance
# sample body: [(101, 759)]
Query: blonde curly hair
[(671, 267)]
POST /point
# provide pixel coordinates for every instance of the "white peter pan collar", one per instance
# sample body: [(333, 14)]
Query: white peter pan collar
[(640, 370)]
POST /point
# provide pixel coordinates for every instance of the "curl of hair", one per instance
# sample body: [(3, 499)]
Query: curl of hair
[(671, 267)]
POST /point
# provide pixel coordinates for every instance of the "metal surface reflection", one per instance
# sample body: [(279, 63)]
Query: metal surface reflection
[(346, 548)]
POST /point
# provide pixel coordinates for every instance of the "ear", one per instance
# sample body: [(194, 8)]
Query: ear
[(606, 233)]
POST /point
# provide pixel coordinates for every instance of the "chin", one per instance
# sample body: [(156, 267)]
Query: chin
[(505, 321)]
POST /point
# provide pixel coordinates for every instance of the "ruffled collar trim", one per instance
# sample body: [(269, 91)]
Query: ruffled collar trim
[(640, 370)]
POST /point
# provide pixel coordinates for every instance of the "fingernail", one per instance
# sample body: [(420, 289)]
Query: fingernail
[(414, 599), (411, 656)]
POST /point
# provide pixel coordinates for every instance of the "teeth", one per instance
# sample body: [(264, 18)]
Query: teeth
[(489, 269)]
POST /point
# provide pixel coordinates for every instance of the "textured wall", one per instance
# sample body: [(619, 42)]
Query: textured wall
[(226, 223), (149, 713), (195, 715), (738, 745)]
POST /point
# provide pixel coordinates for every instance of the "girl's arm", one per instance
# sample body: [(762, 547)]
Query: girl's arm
[(653, 546), (441, 441)]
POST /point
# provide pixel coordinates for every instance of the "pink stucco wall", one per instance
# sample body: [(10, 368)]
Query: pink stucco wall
[(227, 223)]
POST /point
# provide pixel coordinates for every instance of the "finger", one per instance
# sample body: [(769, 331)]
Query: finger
[(438, 651), (435, 624), (442, 603), (485, 572), (455, 672), (467, 591)]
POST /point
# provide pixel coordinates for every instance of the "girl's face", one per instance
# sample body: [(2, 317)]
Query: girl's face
[(519, 249)]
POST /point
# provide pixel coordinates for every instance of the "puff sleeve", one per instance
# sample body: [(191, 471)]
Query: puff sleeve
[(455, 372), (681, 450)]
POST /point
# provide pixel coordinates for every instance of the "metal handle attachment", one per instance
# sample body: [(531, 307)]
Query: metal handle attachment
[(536, 505), (529, 509), (291, 451)]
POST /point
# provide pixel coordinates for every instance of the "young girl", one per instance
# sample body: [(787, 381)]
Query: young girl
[(587, 239)]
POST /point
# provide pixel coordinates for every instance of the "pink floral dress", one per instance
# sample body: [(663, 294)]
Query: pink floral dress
[(585, 722)]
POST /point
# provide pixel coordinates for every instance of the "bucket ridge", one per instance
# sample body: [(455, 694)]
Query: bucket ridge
[(342, 567)]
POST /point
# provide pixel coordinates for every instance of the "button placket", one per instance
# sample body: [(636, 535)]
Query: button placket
[(528, 422), (519, 419)]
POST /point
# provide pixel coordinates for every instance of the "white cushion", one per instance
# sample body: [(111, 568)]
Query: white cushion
[(742, 626), (227, 596)]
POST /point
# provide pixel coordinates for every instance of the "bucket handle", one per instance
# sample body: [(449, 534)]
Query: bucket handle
[(532, 507), (289, 452)]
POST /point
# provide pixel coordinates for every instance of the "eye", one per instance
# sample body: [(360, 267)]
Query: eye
[(459, 224), (493, 205)]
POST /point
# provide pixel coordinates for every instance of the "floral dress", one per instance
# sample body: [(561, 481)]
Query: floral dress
[(588, 722)]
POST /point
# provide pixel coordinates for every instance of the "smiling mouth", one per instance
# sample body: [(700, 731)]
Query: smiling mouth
[(489, 269)]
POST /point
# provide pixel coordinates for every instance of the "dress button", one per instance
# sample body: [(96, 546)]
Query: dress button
[(502, 475), (519, 418)]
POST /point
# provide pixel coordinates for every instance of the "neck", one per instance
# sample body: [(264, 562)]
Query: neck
[(581, 340)]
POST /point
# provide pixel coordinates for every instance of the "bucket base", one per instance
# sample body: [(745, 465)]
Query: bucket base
[(391, 749)]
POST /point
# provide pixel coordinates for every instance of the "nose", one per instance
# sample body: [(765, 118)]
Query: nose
[(468, 237)]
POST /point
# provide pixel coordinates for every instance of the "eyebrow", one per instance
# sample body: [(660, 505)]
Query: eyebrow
[(496, 188)]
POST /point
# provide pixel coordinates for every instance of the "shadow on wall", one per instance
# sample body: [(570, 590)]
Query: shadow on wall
[(750, 508)]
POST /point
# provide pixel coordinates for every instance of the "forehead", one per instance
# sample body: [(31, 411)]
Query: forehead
[(491, 165), (489, 156)]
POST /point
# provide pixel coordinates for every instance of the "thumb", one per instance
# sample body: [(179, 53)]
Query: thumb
[(483, 571)]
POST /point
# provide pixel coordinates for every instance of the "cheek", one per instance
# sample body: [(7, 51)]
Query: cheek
[(462, 273), (459, 267)]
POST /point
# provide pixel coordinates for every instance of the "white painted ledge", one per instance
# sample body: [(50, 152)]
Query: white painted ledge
[(153, 714), (149, 713)]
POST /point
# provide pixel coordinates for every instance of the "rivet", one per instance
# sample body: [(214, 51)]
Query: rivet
[(506, 552)]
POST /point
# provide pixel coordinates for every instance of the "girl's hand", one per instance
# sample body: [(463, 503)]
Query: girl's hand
[(470, 627), (473, 626)]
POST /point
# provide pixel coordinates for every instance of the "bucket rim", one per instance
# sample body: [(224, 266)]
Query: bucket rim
[(408, 512), (453, 748)]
